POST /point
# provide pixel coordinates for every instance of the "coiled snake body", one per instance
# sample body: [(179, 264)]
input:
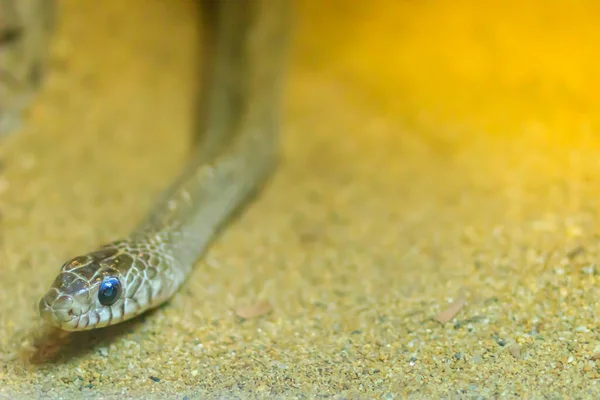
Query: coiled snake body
[(124, 278)]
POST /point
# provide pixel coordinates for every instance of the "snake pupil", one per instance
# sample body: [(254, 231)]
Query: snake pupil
[(109, 292)]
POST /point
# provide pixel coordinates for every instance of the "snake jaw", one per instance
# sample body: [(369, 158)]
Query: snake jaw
[(72, 303), (145, 268), (59, 310), (69, 314)]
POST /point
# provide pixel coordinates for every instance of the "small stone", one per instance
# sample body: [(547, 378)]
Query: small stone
[(279, 365), (477, 358), (515, 350), (46, 386), (197, 349), (589, 270)]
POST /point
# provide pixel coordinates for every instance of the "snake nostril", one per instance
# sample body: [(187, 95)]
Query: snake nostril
[(71, 313)]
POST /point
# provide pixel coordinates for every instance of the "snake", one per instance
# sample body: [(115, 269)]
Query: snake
[(127, 277)]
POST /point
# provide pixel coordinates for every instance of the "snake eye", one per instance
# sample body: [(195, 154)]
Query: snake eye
[(110, 290)]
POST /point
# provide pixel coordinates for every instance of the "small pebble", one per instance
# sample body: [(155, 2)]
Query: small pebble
[(46, 386), (515, 350)]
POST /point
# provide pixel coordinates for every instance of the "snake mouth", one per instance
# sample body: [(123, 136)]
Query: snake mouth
[(55, 312)]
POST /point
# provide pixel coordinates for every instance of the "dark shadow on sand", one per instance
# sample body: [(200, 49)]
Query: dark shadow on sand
[(54, 346)]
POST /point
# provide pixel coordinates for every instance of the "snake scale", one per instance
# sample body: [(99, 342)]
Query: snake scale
[(244, 45)]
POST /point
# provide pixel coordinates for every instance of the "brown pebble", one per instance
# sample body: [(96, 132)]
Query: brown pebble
[(450, 312), (257, 310)]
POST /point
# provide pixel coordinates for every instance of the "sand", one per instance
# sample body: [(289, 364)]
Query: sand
[(432, 231)]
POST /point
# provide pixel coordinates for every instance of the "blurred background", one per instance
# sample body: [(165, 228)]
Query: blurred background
[(493, 66)]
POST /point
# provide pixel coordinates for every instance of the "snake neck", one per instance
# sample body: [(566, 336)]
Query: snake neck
[(203, 198)]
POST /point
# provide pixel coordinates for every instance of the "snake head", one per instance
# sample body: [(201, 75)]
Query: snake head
[(89, 292)]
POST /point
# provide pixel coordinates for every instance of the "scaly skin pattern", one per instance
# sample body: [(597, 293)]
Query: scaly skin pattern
[(125, 278), (147, 270), (156, 259)]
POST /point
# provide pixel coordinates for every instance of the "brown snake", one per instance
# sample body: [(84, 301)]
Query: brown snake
[(120, 280)]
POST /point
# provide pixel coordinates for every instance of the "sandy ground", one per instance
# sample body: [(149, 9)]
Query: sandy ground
[(434, 152)]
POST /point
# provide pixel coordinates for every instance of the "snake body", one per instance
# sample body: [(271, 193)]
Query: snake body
[(127, 277)]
